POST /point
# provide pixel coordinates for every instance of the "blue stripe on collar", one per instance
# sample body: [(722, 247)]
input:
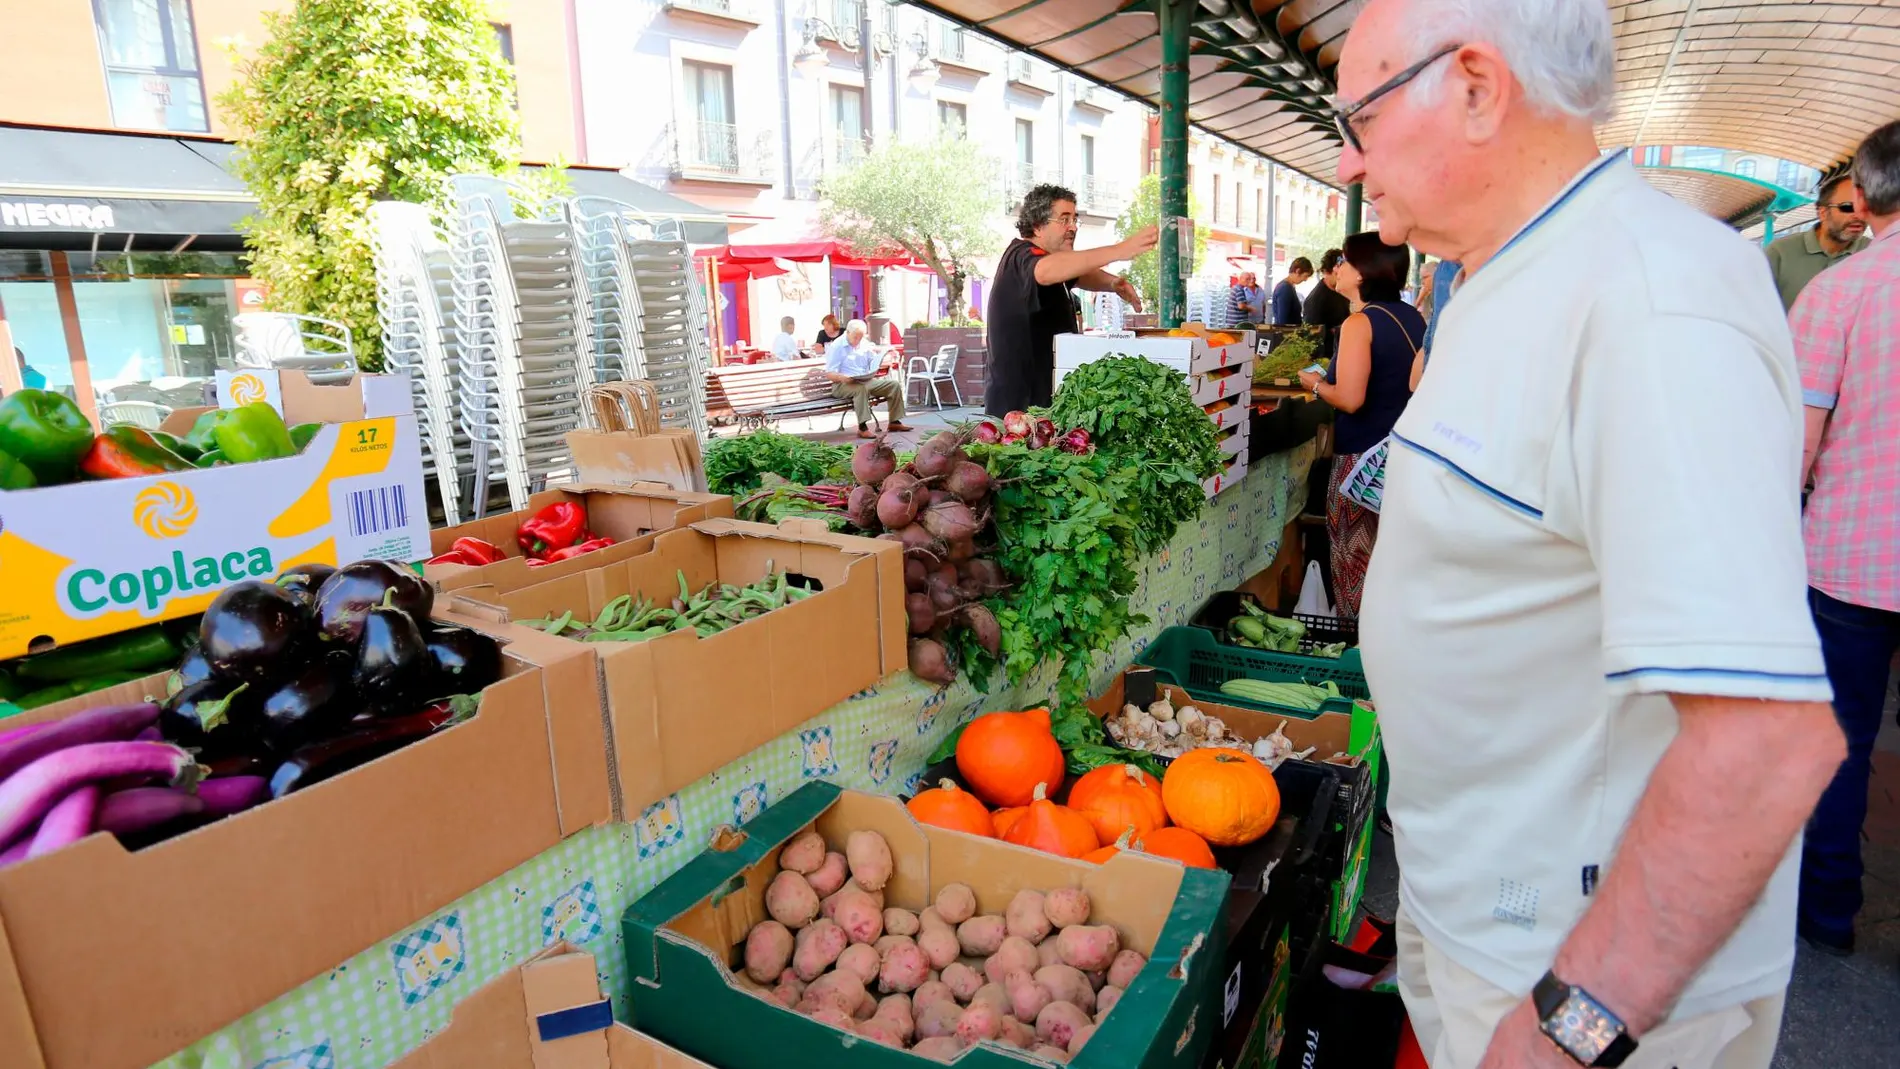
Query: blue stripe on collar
[(1590, 175)]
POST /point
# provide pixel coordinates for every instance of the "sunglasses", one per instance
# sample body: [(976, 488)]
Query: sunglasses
[(1342, 117), (1844, 207)]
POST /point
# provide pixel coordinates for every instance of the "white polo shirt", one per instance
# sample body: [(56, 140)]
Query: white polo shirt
[(1591, 502)]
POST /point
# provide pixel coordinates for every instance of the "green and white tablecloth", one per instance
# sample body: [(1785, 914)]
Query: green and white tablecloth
[(384, 1002)]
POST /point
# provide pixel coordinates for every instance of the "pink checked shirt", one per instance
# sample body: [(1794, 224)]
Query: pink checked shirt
[(1847, 339)]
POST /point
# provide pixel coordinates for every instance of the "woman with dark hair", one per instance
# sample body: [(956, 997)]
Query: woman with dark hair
[(829, 330), (1368, 385)]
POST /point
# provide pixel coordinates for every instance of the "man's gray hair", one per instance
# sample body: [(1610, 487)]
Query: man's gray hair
[(1877, 170), (857, 326), (1561, 51)]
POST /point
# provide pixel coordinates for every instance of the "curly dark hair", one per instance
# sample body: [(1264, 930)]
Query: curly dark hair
[(1039, 205), (1329, 260)]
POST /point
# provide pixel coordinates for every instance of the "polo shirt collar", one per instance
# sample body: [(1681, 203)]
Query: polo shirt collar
[(1570, 192)]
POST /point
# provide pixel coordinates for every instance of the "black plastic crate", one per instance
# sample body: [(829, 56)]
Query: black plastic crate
[(1320, 630)]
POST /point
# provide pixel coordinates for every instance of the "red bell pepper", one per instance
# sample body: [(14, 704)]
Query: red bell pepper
[(558, 526), (473, 552), (126, 452), (579, 548)]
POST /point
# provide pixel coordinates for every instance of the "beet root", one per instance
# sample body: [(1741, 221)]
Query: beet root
[(949, 520), (922, 613), (982, 622), (873, 462), (930, 662), (970, 481), (916, 575), (860, 508), (897, 508)]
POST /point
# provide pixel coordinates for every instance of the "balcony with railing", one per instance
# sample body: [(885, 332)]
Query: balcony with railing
[(955, 48), (1031, 74), (736, 14), (1019, 179), (1096, 196), (722, 152), (1086, 94), (824, 157)]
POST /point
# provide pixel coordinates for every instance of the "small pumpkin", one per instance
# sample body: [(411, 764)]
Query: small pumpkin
[(950, 806), (1225, 796), (1001, 819), (1003, 756), (1179, 844), (1052, 828), (1106, 852), (1116, 798)]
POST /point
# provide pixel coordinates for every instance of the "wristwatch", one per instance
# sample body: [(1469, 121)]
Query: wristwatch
[(1579, 1024)]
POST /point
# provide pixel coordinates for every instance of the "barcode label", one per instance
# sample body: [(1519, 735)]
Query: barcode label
[(384, 508)]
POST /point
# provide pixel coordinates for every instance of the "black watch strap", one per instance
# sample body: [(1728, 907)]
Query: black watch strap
[(1579, 1025)]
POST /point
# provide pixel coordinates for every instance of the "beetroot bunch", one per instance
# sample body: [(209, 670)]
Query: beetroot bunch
[(938, 507), (1035, 432)]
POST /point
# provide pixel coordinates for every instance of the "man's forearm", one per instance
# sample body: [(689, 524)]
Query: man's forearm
[(1055, 267), (1097, 280), (1815, 425), (1717, 817)]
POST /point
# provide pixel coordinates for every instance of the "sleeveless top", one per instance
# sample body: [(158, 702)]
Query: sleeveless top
[(1397, 331)]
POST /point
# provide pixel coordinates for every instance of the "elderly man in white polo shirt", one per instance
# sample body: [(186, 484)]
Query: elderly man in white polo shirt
[(1586, 624)]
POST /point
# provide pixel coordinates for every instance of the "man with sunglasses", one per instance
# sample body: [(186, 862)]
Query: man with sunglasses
[(1838, 232), (1599, 685)]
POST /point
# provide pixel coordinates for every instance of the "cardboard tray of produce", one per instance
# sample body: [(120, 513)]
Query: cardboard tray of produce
[(1348, 669), (1233, 469), (753, 682), (547, 1014), (1190, 657), (116, 959), (1188, 355), (683, 939)]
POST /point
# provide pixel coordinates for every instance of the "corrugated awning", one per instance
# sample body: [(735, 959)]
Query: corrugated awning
[(70, 188)]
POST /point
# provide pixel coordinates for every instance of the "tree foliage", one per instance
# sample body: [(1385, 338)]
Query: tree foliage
[(349, 102), (1313, 239), (1144, 209), (936, 201)]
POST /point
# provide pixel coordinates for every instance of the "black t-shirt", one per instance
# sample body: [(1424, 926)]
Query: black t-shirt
[(1024, 319), (1327, 307), (826, 337)]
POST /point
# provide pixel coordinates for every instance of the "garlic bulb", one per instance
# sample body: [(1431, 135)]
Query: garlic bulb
[(1162, 710)]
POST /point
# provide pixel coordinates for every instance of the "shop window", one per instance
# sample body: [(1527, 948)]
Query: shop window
[(953, 118), (150, 52), (1745, 167), (504, 40)]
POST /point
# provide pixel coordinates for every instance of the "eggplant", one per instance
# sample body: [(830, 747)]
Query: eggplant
[(302, 589), (254, 632), (392, 660), (217, 718), (462, 661), (314, 704), (320, 761), (414, 596), (191, 671), (238, 766), (345, 599), (315, 573)]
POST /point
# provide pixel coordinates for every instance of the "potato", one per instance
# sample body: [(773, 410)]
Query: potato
[(896, 1010), (1065, 906), (1067, 985), (870, 859), (930, 991), (830, 875), (803, 854), (905, 968), (832, 1016), (994, 995), (788, 995), (861, 960), (962, 980), (1051, 1054), (1015, 955), (956, 903), (838, 989), (1097, 979), (1046, 953), (818, 945), (791, 901), (881, 1030), (768, 946), (940, 1048), (1058, 1023), (1105, 1000), (982, 936), (938, 1019), (1017, 1034), (1080, 1037), (929, 918), (1024, 916), (940, 946), (886, 942), (1088, 948), (829, 906), (867, 1006), (980, 1022), (901, 921), (1126, 966), (859, 915), (1026, 996)]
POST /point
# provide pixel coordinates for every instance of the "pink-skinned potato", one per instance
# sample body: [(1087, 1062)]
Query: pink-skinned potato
[(904, 969), (817, 946), (840, 990), (1090, 948), (1067, 984), (981, 1021), (982, 936), (1066, 906), (940, 1048), (962, 980), (1017, 1034), (790, 900), (1024, 916), (1058, 1023), (870, 859), (900, 921), (1026, 996), (1080, 1037), (956, 903), (1126, 966), (931, 991), (804, 854), (861, 960), (830, 875), (768, 947), (861, 917), (938, 1019), (1015, 955), (1105, 1000), (1051, 1054), (940, 945)]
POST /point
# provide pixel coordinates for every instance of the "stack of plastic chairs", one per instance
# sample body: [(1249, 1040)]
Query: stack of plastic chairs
[(412, 294), (1207, 302), (321, 348)]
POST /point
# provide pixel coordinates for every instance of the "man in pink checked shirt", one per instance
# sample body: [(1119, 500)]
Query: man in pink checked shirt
[(1846, 328)]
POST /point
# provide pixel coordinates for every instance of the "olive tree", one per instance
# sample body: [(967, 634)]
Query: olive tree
[(1144, 210)]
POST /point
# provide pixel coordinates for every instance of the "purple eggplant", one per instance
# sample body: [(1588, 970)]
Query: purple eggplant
[(194, 669), (26, 729), (314, 572), (67, 822), (254, 632), (320, 761), (29, 793), (232, 794), (313, 704), (238, 766), (218, 718), (142, 808), (345, 599), (392, 661), (108, 723), (462, 661)]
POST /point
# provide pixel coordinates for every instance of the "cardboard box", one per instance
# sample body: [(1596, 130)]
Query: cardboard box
[(95, 558), (1233, 469), (1229, 412), (1221, 383), (1190, 356), (756, 681), (630, 515), (299, 400), (1233, 440), (548, 1014), (122, 958), (683, 939), (668, 457)]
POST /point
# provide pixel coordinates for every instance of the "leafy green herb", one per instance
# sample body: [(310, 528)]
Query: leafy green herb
[(1291, 354), (738, 466)]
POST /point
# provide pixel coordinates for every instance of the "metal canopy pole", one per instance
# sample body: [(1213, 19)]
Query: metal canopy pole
[(1176, 17), (1355, 208)]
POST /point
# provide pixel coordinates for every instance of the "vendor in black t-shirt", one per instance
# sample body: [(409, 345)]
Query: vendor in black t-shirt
[(1030, 299)]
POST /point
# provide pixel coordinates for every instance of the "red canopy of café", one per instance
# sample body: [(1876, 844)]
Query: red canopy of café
[(798, 240)]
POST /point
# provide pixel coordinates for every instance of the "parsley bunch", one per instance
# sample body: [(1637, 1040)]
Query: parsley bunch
[(738, 466)]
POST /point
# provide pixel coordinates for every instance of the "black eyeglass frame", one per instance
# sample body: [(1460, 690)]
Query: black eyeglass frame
[(1839, 206), (1342, 117)]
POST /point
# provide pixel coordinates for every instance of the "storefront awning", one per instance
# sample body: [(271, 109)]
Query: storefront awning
[(72, 189)]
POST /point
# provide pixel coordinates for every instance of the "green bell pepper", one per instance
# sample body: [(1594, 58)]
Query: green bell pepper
[(253, 432), (199, 437), (302, 433), (176, 444), (15, 475), (46, 432), (211, 458)]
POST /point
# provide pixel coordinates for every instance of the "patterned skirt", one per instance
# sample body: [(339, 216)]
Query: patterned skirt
[(1352, 530)]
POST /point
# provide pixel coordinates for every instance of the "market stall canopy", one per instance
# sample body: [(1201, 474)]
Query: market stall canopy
[(703, 225), (800, 241), (73, 189), (747, 270), (1732, 198)]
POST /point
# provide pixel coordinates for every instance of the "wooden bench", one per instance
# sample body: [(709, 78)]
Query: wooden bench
[(758, 395)]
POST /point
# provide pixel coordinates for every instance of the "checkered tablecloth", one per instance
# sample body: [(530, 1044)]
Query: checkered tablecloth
[(384, 1002)]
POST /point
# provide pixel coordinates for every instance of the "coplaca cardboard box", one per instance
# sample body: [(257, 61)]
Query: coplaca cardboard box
[(681, 706), (684, 938), (98, 557), (630, 515), (118, 959), (547, 1014), (300, 400)]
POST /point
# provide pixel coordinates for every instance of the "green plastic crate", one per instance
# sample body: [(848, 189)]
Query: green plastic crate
[(1191, 658)]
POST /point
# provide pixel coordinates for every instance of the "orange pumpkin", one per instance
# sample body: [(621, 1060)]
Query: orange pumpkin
[(1002, 756), (1052, 828), (1225, 796), (1179, 844), (1106, 852), (950, 806), (1116, 798), (1001, 819)]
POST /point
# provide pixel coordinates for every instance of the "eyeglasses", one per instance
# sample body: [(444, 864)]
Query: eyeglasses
[(1844, 207), (1342, 117)]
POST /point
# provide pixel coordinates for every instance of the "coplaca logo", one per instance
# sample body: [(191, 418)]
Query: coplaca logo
[(246, 389), (165, 510)]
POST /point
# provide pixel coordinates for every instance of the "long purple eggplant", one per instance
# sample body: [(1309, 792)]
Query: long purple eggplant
[(232, 794), (10, 733), (124, 812), (29, 793), (16, 852), (67, 822), (110, 723)]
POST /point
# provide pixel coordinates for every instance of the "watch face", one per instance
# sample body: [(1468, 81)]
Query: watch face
[(1581, 1027)]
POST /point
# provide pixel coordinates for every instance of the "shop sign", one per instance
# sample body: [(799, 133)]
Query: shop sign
[(62, 216)]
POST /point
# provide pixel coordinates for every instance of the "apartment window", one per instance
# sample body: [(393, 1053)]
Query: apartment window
[(1240, 204), (950, 42), (1088, 155), (953, 118), (150, 54), (1706, 158), (1217, 204), (847, 123), (1653, 156), (504, 40), (1259, 209), (1025, 143), (713, 138), (1745, 167)]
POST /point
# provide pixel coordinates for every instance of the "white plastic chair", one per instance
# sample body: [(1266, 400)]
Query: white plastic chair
[(147, 414), (934, 371), (323, 348)]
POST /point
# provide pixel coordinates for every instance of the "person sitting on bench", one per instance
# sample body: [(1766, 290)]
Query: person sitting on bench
[(852, 366)]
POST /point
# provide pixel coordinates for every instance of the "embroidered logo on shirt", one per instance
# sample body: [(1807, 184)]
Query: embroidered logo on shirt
[(1517, 904), (1589, 880), (1458, 438)]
